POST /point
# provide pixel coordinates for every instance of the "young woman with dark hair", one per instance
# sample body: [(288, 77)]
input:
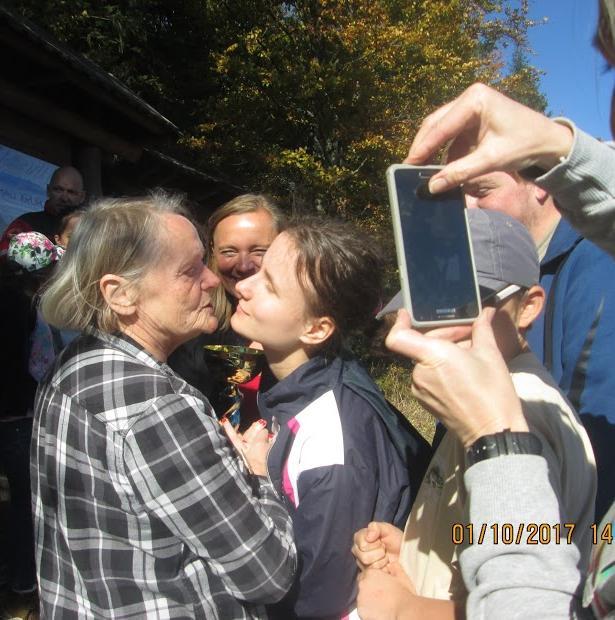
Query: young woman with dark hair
[(339, 456)]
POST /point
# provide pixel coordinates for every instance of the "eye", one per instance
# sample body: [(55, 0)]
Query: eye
[(259, 252)]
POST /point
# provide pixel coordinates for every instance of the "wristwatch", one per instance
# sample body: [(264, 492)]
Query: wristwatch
[(498, 444)]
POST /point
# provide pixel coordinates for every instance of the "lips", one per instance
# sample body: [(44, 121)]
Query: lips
[(239, 310)]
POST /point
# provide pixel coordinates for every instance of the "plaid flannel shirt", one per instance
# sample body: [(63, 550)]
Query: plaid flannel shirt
[(141, 507)]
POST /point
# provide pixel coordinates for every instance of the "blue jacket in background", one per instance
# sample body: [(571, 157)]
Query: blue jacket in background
[(340, 460), (578, 347)]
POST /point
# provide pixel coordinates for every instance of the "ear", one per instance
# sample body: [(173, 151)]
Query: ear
[(115, 292), (531, 306), (317, 331), (540, 194)]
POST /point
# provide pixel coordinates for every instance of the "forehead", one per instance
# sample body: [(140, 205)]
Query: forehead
[(180, 237), (280, 260), (280, 264), (495, 180), (258, 225), (67, 178), (282, 247)]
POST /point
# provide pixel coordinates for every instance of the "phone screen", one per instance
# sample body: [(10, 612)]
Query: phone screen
[(437, 250)]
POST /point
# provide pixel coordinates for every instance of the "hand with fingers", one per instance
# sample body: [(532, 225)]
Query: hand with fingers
[(252, 445), (487, 131), (386, 594), (466, 385), (377, 545)]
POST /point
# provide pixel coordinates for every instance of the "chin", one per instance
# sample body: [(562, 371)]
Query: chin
[(211, 325), (239, 327)]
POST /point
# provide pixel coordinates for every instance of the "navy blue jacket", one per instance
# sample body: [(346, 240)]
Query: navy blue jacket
[(337, 467), (575, 340)]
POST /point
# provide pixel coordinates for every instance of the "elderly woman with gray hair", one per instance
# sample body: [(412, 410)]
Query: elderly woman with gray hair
[(141, 506)]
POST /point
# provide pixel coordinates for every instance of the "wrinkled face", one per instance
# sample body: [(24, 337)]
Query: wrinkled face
[(499, 191), (65, 192), (173, 299), (272, 308), (239, 243)]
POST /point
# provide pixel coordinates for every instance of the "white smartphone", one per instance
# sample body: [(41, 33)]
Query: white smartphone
[(434, 249)]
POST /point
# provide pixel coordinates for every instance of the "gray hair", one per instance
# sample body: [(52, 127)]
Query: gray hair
[(119, 236)]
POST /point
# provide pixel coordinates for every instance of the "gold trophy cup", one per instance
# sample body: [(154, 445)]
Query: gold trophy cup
[(239, 364)]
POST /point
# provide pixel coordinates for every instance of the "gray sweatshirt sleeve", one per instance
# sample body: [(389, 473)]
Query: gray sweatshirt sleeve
[(583, 186), (517, 580)]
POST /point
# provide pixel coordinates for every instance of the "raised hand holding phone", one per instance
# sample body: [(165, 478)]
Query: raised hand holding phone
[(434, 252)]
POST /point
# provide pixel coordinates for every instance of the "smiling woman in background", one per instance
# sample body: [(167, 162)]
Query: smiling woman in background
[(238, 234)]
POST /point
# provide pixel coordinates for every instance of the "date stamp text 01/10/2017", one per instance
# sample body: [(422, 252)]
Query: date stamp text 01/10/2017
[(524, 533)]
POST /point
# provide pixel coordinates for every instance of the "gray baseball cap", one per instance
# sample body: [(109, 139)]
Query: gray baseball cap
[(504, 254)]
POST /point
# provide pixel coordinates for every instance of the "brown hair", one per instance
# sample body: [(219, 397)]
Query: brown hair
[(246, 203), (340, 271), (605, 30)]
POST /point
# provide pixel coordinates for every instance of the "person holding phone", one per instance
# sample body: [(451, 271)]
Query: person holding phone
[(340, 456), (491, 132), (428, 549), (434, 252)]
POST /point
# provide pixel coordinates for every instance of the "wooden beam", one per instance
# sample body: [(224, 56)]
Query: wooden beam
[(50, 59), (47, 112), (30, 136), (89, 163)]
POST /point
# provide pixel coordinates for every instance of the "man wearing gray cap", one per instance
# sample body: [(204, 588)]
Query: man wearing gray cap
[(575, 335), (508, 271)]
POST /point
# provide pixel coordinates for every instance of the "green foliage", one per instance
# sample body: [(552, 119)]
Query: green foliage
[(309, 100)]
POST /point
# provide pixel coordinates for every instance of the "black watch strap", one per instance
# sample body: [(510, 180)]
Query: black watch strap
[(498, 444)]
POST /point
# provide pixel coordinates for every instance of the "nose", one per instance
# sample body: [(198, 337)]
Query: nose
[(246, 265), (243, 287), (209, 280)]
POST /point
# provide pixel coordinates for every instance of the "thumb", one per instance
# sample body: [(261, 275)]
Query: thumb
[(458, 172), (406, 341), (234, 437), (482, 330), (373, 532)]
